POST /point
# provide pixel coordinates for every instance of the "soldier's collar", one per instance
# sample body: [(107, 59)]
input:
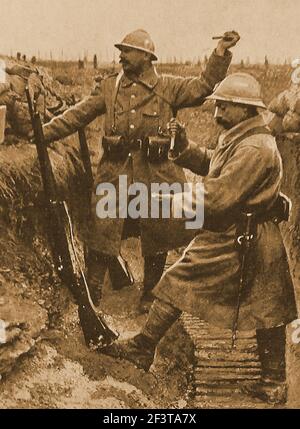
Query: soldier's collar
[(149, 78), (242, 128)]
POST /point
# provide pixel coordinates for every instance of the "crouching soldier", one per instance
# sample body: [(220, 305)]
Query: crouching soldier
[(242, 175)]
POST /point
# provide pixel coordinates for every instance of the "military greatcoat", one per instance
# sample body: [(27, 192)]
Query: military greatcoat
[(243, 174), (136, 110)]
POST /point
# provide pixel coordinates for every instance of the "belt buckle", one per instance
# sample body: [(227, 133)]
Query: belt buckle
[(139, 143)]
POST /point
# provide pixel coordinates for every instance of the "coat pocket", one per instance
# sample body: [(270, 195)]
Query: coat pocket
[(151, 117), (151, 114)]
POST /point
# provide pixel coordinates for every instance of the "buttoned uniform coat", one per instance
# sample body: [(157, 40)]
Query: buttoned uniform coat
[(138, 110), (243, 173)]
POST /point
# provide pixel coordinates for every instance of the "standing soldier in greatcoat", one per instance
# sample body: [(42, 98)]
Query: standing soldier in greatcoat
[(241, 176), (137, 104)]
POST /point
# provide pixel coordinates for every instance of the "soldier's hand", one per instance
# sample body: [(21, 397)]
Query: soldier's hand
[(229, 39), (177, 131)]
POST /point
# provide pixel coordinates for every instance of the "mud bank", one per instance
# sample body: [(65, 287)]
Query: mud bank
[(60, 372), (44, 363), (289, 147)]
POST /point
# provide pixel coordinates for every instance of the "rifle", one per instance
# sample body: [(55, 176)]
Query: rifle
[(245, 241), (119, 272), (279, 212), (85, 155), (95, 330)]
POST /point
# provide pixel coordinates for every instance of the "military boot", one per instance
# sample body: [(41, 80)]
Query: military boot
[(153, 270), (272, 387), (140, 349)]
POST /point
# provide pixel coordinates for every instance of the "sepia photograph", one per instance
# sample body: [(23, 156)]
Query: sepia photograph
[(149, 207)]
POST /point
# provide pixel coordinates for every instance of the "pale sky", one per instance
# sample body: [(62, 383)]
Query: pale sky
[(181, 28)]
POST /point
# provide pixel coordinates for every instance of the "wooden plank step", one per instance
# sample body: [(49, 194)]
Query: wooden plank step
[(226, 398), (227, 340), (213, 384), (246, 403), (205, 337), (199, 331), (216, 391), (220, 372), (228, 375), (228, 371), (223, 356), (224, 345), (211, 363), (224, 374), (232, 377), (193, 324)]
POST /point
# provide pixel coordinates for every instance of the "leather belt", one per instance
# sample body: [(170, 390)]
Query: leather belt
[(279, 212)]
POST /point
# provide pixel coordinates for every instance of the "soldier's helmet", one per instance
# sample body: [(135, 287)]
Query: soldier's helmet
[(138, 39), (239, 88)]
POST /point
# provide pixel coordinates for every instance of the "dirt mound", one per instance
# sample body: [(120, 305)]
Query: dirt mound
[(63, 373), (25, 299), (287, 108)]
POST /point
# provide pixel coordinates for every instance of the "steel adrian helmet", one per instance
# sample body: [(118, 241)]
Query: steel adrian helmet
[(138, 39), (239, 88)]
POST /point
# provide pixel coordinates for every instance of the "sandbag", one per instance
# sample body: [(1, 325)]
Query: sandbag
[(291, 122), (48, 94), (286, 107)]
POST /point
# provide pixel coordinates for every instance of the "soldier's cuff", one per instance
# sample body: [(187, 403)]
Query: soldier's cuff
[(177, 156), (222, 61), (216, 68), (227, 54)]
